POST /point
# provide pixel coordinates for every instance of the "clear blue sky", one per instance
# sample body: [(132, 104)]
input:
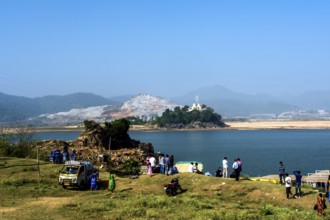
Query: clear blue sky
[(163, 48)]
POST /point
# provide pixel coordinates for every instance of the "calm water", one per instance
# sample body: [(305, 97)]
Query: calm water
[(260, 151)]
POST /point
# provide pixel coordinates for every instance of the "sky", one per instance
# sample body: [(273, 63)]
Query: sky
[(163, 48)]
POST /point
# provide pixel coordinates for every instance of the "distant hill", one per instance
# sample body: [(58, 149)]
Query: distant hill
[(229, 103), (53, 104), (15, 109), (311, 100), (142, 106)]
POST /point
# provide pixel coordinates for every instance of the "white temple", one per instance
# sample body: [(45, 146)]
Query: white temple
[(196, 105)]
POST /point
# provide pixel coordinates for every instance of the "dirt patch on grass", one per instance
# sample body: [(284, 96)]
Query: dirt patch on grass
[(41, 203), (7, 209), (51, 202)]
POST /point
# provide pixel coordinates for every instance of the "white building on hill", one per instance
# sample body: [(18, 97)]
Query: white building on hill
[(196, 105)]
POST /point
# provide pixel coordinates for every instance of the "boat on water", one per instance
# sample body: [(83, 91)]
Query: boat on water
[(182, 166)]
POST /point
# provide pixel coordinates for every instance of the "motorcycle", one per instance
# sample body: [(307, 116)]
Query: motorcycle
[(172, 188)]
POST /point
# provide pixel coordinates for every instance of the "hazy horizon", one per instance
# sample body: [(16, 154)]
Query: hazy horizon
[(163, 48)]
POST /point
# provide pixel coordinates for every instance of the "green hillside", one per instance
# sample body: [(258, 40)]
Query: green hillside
[(16, 109)]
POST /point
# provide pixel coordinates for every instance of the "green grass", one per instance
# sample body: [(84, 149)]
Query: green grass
[(25, 196)]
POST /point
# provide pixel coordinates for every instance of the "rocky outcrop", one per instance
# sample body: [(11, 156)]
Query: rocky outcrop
[(53, 144), (93, 138), (93, 145)]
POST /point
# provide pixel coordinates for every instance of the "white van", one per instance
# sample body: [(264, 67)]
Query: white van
[(76, 174)]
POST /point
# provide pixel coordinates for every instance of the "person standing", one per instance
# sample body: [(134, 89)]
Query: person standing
[(161, 162), (73, 155), (298, 183), (149, 169), (147, 160), (320, 205), (288, 183), (52, 156), (112, 182), (152, 161), (236, 169), (65, 154), (171, 164), (94, 180), (167, 163), (281, 172), (240, 165), (57, 156), (225, 167)]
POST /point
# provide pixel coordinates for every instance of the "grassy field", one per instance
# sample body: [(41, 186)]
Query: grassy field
[(25, 196)]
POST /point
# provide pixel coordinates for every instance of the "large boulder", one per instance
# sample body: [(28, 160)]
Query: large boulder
[(95, 137)]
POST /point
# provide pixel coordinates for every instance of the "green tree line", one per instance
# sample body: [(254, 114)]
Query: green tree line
[(183, 116)]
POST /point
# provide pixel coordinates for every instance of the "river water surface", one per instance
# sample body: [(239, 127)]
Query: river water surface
[(259, 150)]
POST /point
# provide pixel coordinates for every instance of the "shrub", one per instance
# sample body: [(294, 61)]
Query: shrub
[(130, 167)]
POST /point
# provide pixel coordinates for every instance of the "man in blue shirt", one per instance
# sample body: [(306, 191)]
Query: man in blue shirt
[(281, 172), (236, 169), (298, 183)]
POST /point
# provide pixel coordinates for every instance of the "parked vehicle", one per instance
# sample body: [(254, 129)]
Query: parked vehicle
[(76, 174), (172, 188)]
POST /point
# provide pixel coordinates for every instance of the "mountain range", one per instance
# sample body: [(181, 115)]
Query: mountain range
[(72, 108), (15, 109)]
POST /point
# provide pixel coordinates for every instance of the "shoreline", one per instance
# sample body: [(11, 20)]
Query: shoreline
[(239, 125)]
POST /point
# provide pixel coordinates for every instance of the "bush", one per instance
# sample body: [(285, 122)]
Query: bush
[(130, 167)]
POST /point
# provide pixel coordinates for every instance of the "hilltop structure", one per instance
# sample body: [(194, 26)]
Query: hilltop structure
[(196, 105)]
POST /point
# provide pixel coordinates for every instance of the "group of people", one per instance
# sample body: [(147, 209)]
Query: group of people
[(237, 168), (164, 164), (193, 168), (286, 180), (57, 156), (94, 180)]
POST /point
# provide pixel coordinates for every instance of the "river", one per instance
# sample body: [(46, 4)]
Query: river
[(259, 150)]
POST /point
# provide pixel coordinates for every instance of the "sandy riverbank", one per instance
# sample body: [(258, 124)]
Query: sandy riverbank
[(248, 125), (258, 125), (255, 125)]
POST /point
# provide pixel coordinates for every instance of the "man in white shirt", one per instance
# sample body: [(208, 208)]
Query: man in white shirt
[(190, 167), (152, 161), (225, 167), (288, 185)]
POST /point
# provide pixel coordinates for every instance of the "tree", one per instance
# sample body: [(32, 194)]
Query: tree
[(183, 116), (24, 138), (90, 125), (118, 132), (17, 142)]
